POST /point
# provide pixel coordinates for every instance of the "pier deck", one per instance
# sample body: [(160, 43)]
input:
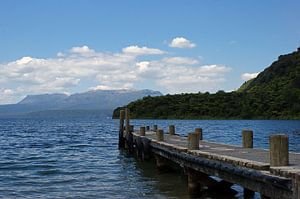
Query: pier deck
[(246, 157), (273, 173)]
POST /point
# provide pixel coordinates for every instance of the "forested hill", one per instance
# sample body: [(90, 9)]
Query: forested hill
[(273, 94)]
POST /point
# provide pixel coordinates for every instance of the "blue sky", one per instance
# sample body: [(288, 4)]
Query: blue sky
[(74, 46)]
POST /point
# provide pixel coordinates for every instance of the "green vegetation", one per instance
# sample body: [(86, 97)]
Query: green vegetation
[(273, 94)]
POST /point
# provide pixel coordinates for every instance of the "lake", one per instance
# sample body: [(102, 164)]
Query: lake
[(79, 158)]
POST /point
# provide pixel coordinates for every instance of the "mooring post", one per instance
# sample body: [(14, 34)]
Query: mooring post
[(121, 129), (147, 128), (127, 127), (279, 150), (155, 127), (142, 131), (160, 135), (193, 141), (247, 138), (198, 131), (248, 143), (172, 130)]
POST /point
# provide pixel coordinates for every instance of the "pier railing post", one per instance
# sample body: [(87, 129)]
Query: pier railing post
[(160, 135), (121, 129), (172, 130), (193, 141), (247, 138), (198, 131), (279, 150), (142, 131)]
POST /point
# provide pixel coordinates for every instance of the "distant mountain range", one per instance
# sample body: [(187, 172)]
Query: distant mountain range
[(102, 101)]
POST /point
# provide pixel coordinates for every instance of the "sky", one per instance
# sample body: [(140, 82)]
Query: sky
[(71, 46)]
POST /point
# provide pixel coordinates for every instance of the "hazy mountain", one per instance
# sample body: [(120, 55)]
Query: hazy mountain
[(97, 100)]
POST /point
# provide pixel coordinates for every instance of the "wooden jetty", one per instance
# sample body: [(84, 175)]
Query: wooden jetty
[(273, 173)]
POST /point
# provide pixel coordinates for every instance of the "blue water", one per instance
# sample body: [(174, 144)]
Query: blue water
[(78, 157)]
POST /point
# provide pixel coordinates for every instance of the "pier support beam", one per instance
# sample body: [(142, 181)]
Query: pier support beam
[(128, 130), (161, 162), (172, 130), (279, 150), (121, 130)]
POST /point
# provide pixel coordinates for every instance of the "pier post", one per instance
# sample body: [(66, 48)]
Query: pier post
[(172, 130), (160, 135), (147, 128), (279, 150), (129, 130), (193, 141), (142, 130), (121, 129), (198, 131), (155, 127), (127, 126), (247, 138), (248, 143)]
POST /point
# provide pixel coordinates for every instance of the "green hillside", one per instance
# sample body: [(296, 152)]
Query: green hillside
[(273, 94)]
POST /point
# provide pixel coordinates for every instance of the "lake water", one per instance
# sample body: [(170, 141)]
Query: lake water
[(78, 157)]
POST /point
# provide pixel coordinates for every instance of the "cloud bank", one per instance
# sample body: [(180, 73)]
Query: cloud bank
[(85, 68)]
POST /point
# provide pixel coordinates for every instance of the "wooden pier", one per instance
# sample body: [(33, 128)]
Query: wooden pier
[(273, 173)]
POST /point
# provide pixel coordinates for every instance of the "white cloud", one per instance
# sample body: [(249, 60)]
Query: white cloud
[(87, 68), (6, 96), (181, 42), (181, 60), (176, 78), (136, 50), (82, 50), (248, 76), (101, 87)]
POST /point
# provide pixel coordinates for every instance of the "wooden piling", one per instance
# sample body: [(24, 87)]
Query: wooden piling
[(161, 163), (247, 138), (193, 141), (147, 128), (248, 143), (160, 135), (198, 131), (279, 150), (155, 127), (142, 131), (121, 129), (172, 130), (127, 127)]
